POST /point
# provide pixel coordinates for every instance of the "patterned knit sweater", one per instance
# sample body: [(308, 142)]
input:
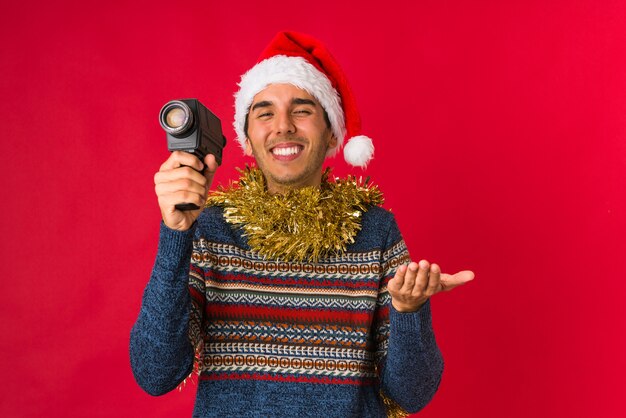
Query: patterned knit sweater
[(278, 339)]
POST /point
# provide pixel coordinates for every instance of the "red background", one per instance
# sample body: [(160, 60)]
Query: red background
[(500, 144)]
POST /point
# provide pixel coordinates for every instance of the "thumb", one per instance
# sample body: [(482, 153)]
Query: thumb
[(210, 167), (450, 281)]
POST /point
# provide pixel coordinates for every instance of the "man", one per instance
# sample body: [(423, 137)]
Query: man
[(293, 294)]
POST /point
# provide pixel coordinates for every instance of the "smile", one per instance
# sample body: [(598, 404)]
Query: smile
[(287, 151)]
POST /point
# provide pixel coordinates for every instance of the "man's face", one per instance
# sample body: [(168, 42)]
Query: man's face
[(288, 137)]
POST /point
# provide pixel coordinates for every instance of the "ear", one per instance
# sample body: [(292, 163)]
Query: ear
[(332, 141), (247, 148)]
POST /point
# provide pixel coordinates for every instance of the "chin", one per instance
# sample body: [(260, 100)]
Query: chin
[(290, 179), (287, 180)]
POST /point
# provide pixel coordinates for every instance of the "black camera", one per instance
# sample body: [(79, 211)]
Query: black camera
[(193, 128)]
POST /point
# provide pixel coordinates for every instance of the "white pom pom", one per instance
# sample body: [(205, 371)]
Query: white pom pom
[(358, 151)]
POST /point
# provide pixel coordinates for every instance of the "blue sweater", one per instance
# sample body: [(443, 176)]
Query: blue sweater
[(277, 339)]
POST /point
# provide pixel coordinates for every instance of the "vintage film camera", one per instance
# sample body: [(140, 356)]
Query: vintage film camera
[(193, 128)]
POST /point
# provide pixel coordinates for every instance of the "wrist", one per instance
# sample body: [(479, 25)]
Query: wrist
[(406, 307)]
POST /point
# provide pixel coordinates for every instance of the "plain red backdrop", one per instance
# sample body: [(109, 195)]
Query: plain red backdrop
[(500, 145)]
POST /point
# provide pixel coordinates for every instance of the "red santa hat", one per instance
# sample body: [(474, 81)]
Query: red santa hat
[(300, 60)]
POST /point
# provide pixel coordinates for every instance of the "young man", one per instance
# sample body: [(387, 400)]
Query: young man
[(295, 295)]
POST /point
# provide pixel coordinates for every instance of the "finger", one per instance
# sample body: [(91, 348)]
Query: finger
[(421, 280), (433, 280), (181, 158), (180, 173), (410, 277), (170, 200), (180, 185), (449, 282), (396, 283)]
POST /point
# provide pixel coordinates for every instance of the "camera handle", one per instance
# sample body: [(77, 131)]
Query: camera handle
[(188, 206)]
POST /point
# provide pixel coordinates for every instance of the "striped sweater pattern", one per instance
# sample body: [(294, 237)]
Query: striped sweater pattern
[(285, 321)]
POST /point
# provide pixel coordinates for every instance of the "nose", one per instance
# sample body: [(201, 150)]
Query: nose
[(284, 124)]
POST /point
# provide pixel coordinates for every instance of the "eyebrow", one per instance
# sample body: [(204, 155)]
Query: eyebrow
[(299, 101), (264, 103), (295, 101)]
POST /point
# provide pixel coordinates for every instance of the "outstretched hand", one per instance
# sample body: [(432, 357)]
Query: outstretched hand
[(415, 283)]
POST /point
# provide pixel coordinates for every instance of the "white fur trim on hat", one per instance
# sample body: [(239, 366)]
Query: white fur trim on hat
[(358, 151), (299, 72)]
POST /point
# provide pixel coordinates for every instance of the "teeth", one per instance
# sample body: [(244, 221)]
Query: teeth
[(286, 151)]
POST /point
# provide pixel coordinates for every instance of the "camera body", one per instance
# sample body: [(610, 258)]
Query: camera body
[(192, 127)]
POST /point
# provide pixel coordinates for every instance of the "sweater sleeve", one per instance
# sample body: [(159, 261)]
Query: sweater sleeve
[(409, 361), (161, 354)]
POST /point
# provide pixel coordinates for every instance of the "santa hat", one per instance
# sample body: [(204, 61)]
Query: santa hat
[(300, 60)]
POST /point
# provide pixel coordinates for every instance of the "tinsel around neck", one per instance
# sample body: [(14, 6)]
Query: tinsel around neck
[(303, 224)]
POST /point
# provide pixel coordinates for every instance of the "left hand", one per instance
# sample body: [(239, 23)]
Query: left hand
[(414, 284)]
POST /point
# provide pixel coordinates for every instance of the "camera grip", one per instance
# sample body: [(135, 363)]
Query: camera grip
[(188, 206)]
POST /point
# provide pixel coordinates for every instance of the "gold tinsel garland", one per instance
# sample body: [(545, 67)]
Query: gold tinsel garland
[(393, 409), (303, 224)]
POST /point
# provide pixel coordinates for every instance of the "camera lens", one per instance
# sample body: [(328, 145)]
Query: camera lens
[(176, 117)]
